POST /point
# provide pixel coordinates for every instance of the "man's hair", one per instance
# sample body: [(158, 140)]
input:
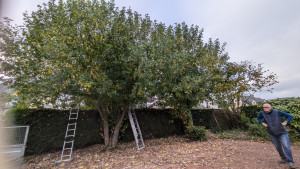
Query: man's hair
[(267, 104)]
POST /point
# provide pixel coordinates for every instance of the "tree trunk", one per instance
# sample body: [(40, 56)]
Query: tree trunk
[(115, 135), (111, 139), (190, 118), (105, 126)]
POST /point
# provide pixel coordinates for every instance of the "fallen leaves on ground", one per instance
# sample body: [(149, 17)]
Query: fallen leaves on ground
[(171, 152)]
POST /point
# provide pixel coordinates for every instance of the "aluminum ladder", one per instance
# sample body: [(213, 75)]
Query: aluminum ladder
[(66, 154), (136, 130)]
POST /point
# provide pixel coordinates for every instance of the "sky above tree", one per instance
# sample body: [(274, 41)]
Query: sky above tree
[(263, 31)]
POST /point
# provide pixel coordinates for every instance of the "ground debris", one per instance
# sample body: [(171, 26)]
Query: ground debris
[(171, 152)]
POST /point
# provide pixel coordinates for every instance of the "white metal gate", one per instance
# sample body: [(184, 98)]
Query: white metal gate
[(14, 144)]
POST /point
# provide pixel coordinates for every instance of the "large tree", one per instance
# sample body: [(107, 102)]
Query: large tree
[(84, 50), (184, 66), (111, 59)]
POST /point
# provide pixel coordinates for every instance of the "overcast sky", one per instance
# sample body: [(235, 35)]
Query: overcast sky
[(262, 31)]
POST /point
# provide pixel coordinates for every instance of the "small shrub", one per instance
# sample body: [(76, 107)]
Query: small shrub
[(196, 133), (245, 120), (258, 130)]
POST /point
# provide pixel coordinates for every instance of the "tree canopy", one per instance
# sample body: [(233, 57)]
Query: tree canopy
[(113, 59)]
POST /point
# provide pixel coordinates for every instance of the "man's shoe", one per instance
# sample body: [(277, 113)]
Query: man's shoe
[(292, 165), (282, 161)]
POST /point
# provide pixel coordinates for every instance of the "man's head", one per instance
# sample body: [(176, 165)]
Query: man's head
[(267, 108)]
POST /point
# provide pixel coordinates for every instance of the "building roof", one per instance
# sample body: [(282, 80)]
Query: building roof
[(251, 98)]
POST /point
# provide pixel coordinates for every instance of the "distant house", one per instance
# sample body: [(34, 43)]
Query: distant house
[(248, 100), (207, 105), (251, 100)]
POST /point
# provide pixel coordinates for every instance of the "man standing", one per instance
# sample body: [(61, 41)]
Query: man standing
[(272, 120)]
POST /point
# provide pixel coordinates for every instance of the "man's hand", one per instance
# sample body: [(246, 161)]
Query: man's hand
[(264, 124), (284, 123)]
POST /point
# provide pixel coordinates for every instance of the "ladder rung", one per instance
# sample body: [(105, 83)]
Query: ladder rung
[(73, 134), (66, 155), (70, 136)]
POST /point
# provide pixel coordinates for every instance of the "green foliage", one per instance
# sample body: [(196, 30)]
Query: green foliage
[(251, 111), (196, 133), (236, 133), (237, 79), (112, 59), (186, 67), (258, 130)]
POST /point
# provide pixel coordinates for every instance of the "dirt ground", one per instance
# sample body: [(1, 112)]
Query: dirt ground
[(172, 152)]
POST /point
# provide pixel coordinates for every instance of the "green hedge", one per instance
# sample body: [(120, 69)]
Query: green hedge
[(251, 111), (203, 117), (154, 123), (48, 126)]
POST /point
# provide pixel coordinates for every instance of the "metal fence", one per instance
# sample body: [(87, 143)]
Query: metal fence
[(15, 143)]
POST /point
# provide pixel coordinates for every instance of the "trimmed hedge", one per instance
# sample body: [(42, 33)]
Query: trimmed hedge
[(251, 111), (214, 119), (154, 123), (48, 127), (203, 117)]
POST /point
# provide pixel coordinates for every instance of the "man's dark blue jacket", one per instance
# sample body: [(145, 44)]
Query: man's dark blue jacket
[(274, 121)]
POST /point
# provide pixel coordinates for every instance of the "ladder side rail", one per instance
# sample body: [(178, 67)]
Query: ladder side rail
[(137, 124), (66, 135), (71, 151), (136, 130), (133, 128), (139, 131), (62, 152), (141, 140), (70, 113), (132, 124), (75, 129)]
